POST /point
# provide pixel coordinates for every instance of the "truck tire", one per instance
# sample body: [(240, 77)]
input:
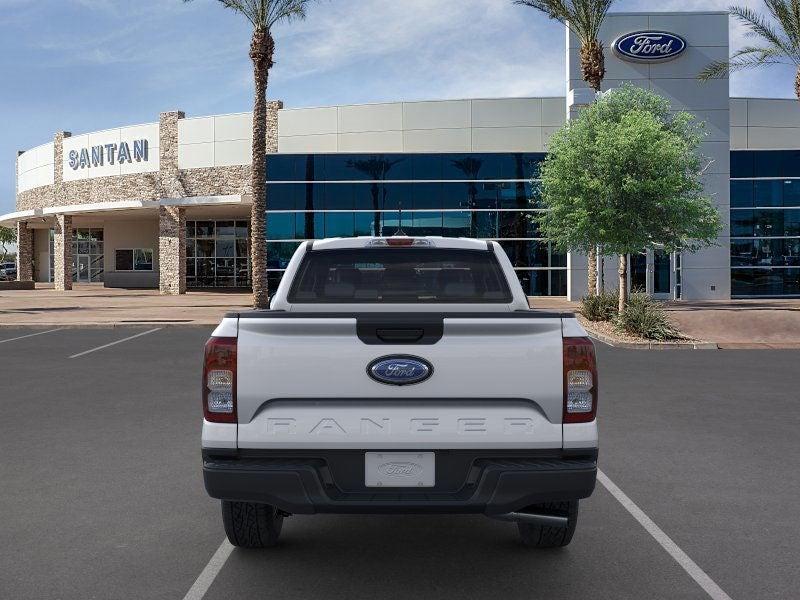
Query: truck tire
[(543, 536), (251, 525)]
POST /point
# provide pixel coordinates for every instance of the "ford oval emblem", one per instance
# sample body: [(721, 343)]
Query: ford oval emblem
[(649, 46), (400, 469), (400, 370)]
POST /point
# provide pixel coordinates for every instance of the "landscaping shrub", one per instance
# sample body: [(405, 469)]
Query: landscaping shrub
[(645, 317), (602, 307)]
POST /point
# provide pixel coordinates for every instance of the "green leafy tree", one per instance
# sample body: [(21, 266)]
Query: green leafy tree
[(584, 19), (263, 15), (8, 236), (626, 175), (778, 40)]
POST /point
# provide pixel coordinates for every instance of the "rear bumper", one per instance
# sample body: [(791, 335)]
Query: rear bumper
[(491, 483)]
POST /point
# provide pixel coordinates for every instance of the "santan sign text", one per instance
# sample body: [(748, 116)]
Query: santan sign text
[(97, 156)]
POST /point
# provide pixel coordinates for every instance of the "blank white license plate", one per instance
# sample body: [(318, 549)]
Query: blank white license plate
[(400, 469)]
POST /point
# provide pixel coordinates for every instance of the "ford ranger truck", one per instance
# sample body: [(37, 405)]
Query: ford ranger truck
[(399, 375)]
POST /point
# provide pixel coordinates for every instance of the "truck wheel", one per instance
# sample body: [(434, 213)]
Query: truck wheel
[(543, 536), (251, 525)]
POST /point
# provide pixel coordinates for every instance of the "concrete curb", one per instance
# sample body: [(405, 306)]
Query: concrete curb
[(651, 345)]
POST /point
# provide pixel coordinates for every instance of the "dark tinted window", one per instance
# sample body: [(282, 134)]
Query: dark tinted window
[(741, 194), (402, 167), (400, 275), (742, 164)]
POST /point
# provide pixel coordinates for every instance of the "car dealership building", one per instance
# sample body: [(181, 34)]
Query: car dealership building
[(166, 205)]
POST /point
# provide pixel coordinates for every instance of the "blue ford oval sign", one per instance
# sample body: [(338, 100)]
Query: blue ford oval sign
[(649, 46), (400, 370)]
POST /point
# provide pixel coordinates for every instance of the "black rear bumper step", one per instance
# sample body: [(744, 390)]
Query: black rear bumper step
[(333, 483)]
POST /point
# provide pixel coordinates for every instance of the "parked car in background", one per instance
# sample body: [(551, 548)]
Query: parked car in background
[(400, 375), (8, 271)]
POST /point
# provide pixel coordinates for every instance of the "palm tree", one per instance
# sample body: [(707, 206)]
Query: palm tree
[(779, 37), (584, 19), (263, 15)]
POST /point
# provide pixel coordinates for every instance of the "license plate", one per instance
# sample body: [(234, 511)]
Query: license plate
[(400, 469)]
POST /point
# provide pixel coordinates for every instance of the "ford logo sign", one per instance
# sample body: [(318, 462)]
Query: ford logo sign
[(400, 469), (649, 46), (400, 370)]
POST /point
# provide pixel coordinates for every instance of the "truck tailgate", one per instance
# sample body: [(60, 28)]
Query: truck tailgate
[(497, 382)]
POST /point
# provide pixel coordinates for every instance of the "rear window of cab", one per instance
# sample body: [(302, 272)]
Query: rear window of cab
[(399, 276)]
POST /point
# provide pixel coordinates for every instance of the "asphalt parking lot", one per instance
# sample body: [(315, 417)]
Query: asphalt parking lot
[(101, 493)]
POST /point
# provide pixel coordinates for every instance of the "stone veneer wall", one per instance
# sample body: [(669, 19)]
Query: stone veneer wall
[(172, 250), (62, 250), (169, 182), (24, 252)]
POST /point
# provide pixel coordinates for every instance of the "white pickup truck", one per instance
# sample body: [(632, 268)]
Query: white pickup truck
[(399, 375)]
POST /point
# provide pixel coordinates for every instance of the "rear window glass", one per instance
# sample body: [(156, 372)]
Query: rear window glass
[(399, 275)]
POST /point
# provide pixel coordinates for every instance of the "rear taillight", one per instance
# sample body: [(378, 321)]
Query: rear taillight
[(219, 380), (580, 380)]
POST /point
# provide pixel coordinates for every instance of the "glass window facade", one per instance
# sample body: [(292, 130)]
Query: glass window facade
[(486, 196), (88, 262), (765, 223), (217, 254)]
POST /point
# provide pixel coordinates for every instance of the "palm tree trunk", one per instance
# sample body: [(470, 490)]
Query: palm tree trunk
[(593, 70), (623, 282), (261, 51), (797, 84), (592, 276), (601, 276), (593, 67)]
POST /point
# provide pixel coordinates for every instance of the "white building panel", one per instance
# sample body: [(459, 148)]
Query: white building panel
[(76, 143), (717, 124), (371, 141), (234, 152), (196, 131), (692, 62), (302, 144), (508, 112), (554, 111), (739, 138), (690, 94), (738, 108), (616, 69), (233, 127), (195, 156), (101, 138), (507, 139), (35, 167), (768, 138), (773, 113), (706, 283), (370, 117), (437, 140), (445, 114), (698, 29), (308, 121), (147, 131), (720, 155)]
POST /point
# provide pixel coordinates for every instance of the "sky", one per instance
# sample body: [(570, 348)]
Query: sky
[(86, 65)]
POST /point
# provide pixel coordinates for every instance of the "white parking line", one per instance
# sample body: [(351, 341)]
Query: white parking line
[(22, 337), (115, 343), (209, 574), (688, 565), (214, 566)]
